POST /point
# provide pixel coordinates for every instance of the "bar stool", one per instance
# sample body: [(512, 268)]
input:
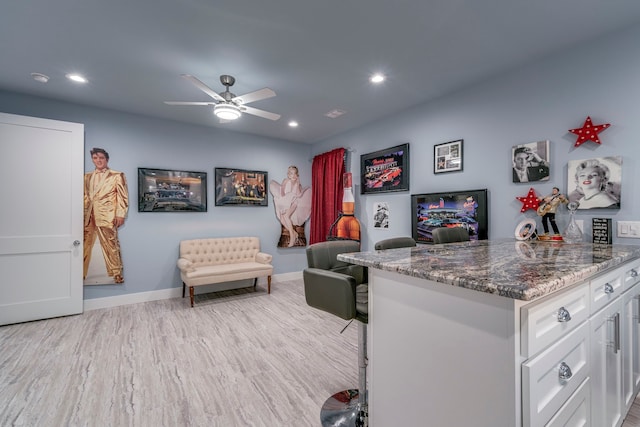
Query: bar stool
[(449, 235), (395, 242), (341, 289)]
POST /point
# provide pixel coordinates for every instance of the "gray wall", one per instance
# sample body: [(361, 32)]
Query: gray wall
[(149, 241), (540, 101), (537, 102)]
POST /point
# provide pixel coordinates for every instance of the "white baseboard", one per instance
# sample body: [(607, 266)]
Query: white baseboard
[(135, 298)]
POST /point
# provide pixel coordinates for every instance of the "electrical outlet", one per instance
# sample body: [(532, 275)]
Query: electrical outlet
[(630, 229)]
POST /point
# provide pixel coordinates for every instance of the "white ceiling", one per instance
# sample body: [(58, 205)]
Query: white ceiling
[(316, 55)]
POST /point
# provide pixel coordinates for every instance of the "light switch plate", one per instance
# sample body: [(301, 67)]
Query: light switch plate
[(630, 229)]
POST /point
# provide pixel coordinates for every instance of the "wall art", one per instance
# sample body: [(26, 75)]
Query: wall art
[(447, 157), (162, 190), (238, 187), (385, 170), (595, 183)]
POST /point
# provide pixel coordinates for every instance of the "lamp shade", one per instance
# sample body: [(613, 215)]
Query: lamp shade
[(227, 111)]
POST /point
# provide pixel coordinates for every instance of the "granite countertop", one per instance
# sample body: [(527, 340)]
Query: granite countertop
[(522, 270)]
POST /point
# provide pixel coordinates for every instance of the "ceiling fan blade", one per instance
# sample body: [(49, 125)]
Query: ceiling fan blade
[(203, 87), (260, 113), (188, 103), (254, 96)]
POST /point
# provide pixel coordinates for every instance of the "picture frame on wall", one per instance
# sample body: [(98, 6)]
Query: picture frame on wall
[(530, 162), (447, 157), (381, 215), (465, 209), (595, 183), (240, 187), (385, 170), (164, 190)]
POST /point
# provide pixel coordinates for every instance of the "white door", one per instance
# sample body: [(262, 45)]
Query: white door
[(41, 187)]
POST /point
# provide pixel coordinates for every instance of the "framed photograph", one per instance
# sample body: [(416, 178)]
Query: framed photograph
[(385, 170), (447, 157), (595, 183), (239, 187), (466, 209), (162, 190), (530, 162), (381, 215)]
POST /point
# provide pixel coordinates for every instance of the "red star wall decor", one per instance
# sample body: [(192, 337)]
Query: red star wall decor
[(530, 201), (588, 132)]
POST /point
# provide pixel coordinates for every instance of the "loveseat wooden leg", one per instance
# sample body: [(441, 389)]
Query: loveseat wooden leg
[(268, 284), (191, 294), (255, 282), (184, 286)]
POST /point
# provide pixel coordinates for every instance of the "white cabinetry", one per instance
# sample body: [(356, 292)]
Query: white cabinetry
[(631, 349), (606, 366), (569, 359), (589, 334), (631, 335)]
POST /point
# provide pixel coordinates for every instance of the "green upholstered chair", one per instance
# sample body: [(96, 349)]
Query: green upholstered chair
[(341, 289)]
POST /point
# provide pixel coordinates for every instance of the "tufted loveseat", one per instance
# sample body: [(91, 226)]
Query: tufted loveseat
[(224, 259)]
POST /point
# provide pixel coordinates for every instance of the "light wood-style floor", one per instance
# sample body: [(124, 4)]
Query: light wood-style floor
[(239, 358)]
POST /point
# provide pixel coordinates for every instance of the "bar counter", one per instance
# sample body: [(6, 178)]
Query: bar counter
[(502, 333), (522, 270)]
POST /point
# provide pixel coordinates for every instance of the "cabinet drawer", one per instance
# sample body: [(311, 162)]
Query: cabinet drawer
[(631, 274), (549, 379), (576, 412), (605, 289), (545, 322)]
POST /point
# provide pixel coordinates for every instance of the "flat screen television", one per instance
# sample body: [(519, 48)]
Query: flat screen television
[(466, 209)]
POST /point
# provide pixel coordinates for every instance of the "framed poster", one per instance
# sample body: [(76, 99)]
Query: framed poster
[(466, 209), (163, 190), (385, 170), (595, 183), (447, 157), (239, 187)]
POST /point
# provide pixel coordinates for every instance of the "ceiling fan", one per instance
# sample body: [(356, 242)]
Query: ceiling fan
[(227, 106)]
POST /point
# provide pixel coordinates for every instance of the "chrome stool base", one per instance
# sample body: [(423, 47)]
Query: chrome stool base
[(343, 410)]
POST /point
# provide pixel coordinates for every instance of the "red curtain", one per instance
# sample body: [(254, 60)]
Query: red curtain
[(327, 190)]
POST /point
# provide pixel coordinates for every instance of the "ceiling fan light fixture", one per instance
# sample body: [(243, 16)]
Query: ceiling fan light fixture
[(227, 111)]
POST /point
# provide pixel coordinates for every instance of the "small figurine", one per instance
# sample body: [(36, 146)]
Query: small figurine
[(547, 210)]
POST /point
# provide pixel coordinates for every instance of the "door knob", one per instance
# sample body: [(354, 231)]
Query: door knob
[(76, 243)]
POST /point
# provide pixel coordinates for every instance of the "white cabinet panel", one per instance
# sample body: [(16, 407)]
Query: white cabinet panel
[(550, 378), (606, 367), (605, 289), (630, 345), (576, 412), (545, 322)]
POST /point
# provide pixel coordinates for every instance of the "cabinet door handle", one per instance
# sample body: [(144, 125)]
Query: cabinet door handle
[(608, 289), (564, 371), (616, 338), (634, 273), (637, 297), (563, 315)]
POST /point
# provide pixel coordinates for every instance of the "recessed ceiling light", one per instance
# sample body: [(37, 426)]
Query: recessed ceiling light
[(377, 78), (293, 124), (40, 77), (335, 113), (76, 78)]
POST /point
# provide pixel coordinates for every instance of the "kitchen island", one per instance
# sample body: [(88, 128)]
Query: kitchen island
[(502, 333)]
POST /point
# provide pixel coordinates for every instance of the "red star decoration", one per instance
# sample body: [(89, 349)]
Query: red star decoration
[(530, 201), (588, 132)]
